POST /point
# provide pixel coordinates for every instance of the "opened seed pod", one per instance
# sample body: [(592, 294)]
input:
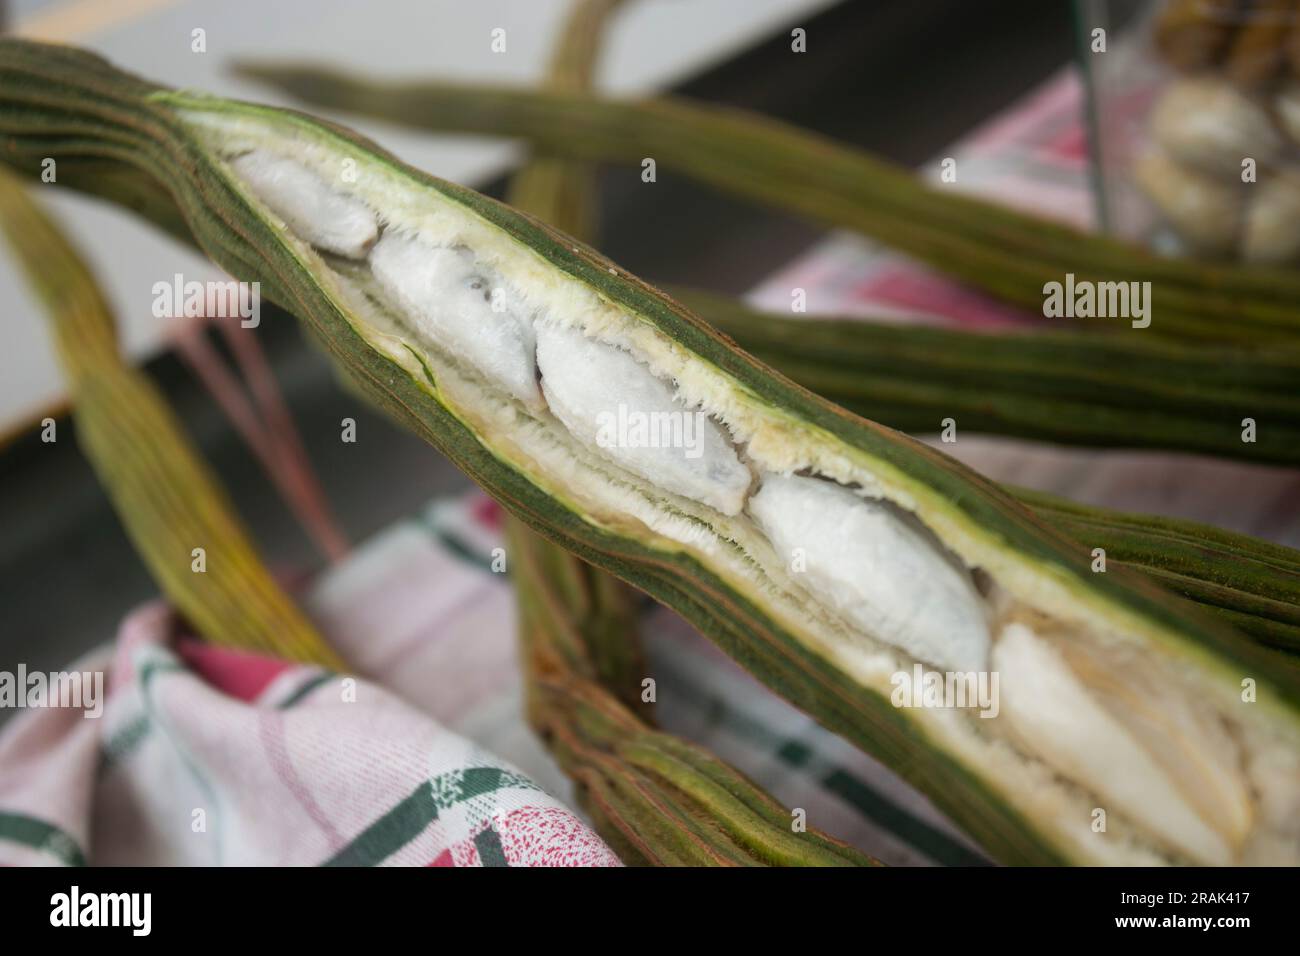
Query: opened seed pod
[(831, 556)]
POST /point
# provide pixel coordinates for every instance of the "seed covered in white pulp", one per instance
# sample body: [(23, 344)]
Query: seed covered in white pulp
[(454, 303), (869, 563), (313, 211), (609, 400), (1060, 717)]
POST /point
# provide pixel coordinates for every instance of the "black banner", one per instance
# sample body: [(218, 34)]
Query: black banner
[(215, 906)]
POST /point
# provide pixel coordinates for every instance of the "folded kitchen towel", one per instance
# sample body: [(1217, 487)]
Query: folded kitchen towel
[(203, 755)]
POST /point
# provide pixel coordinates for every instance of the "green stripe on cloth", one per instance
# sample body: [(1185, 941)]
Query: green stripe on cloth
[(459, 786), (490, 851), (396, 828), (307, 687), (160, 663), (402, 824), (41, 836), (121, 744), (480, 780), (449, 540)]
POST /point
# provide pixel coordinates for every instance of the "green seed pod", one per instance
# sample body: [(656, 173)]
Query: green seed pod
[(1122, 652)]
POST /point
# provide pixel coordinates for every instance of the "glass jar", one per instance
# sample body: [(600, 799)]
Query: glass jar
[(1194, 118)]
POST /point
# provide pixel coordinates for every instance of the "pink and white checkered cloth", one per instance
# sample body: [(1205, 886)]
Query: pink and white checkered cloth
[(206, 756)]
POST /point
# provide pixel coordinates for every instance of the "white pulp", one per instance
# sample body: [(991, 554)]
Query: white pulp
[(876, 569), (312, 210), (1053, 712), (610, 401), (452, 302)]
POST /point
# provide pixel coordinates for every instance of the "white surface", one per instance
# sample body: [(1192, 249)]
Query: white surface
[(653, 44)]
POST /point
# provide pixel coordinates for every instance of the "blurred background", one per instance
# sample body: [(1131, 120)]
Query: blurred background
[(904, 78)]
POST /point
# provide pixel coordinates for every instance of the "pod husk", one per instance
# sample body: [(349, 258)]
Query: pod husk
[(1072, 388), (1252, 584)]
